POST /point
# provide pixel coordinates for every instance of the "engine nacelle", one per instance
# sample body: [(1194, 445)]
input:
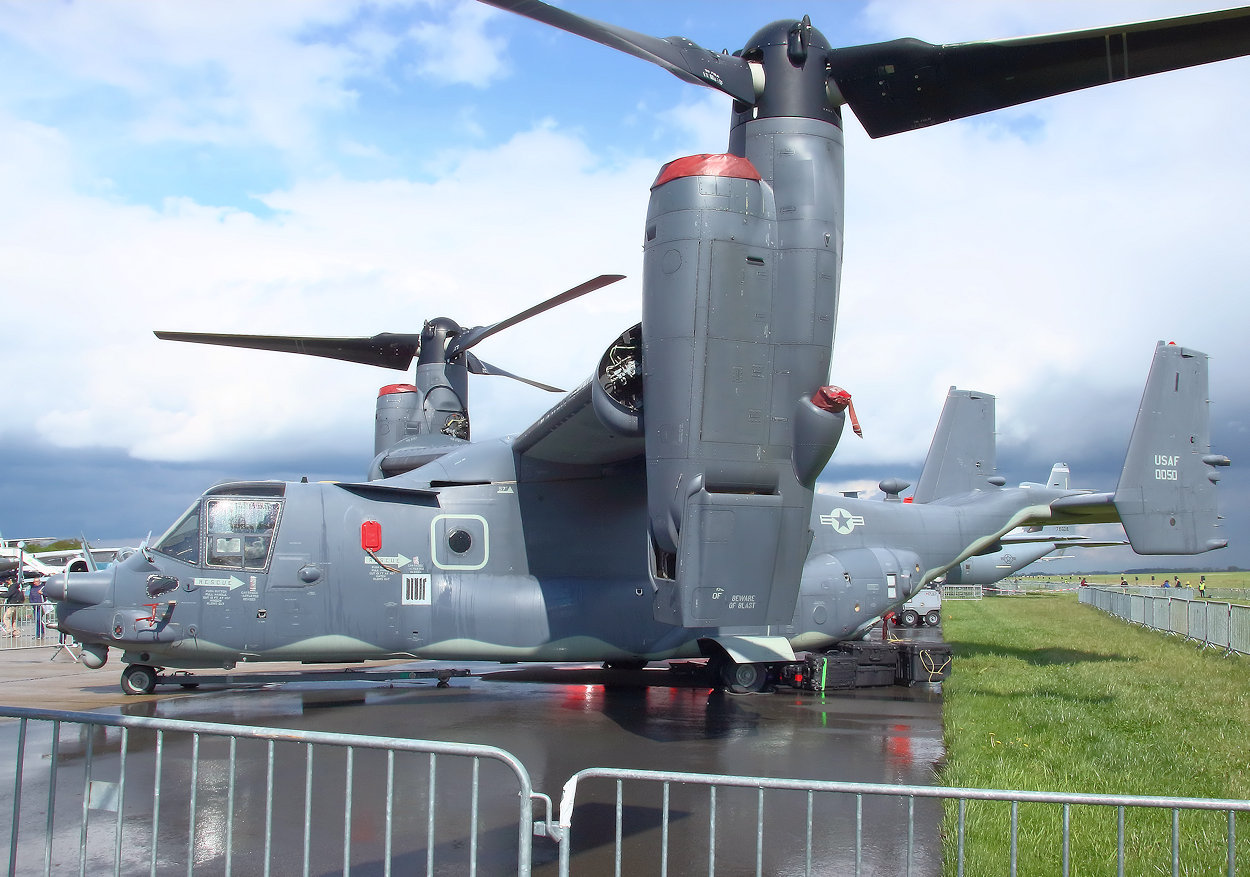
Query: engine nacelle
[(411, 428), (731, 354), (616, 391), (397, 404)]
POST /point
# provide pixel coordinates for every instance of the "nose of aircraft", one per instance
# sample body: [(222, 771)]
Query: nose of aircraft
[(79, 587)]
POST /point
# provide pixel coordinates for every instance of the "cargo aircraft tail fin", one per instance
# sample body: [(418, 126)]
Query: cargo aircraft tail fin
[(1166, 495), (962, 456)]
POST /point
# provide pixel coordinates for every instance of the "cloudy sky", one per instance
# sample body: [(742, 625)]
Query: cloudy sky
[(341, 168)]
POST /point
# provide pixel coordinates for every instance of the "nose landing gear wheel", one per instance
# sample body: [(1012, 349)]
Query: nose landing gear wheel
[(139, 679)]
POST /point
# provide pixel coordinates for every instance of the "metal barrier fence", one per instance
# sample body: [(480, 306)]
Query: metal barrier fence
[(1052, 838), (1210, 622), (126, 794), (28, 627), (97, 794), (961, 592)]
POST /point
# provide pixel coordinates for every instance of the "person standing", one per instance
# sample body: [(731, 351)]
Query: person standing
[(14, 597), (37, 605)]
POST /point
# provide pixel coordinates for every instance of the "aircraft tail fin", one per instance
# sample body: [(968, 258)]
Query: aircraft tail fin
[(962, 455), (1166, 495), (1059, 476)]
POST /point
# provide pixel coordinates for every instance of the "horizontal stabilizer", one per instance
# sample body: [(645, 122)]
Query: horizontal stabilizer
[(1070, 541)]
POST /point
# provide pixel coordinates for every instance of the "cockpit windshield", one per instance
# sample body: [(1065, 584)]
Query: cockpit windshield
[(182, 540), (235, 532), (238, 533)]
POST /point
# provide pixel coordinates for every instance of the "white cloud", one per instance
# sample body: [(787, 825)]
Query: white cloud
[(337, 258), (240, 73), (459, 50)]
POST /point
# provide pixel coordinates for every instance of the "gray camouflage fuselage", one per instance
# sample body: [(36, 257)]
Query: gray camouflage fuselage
[(567, 584)]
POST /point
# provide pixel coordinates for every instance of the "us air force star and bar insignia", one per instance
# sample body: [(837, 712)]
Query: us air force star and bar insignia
[(842, 521)]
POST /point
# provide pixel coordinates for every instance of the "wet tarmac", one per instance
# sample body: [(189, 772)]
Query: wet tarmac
[(558, 720)]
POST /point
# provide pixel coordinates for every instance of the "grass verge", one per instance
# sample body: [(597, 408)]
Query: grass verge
[(1050, 695)]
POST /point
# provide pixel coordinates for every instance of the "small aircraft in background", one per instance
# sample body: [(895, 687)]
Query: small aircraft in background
[(49, 563), (32, 563), (667, 507)]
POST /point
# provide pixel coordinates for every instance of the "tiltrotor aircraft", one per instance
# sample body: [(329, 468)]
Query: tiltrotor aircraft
[(666, 507)]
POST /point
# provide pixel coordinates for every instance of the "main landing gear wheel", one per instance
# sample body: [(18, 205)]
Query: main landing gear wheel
[(909, 618), (932, 617), (743, 678), (139, 679)]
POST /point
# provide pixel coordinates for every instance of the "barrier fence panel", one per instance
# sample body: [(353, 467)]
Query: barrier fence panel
[(985, 831), (1197, 619), (1239, 629), (1179, 617), (1137, 609), (620, 821), (1217, 624), (1162, 614), (1120, 604), (27, 626), (962, 592), (105, 794)]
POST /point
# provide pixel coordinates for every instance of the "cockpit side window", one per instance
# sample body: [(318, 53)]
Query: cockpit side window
[(182, 540), (238, 533)]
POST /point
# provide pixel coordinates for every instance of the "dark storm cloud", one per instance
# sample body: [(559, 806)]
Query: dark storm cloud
[(1090, 432), (106, 494)]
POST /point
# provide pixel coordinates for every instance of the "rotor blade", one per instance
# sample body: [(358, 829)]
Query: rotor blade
[(470, 337), (906, 84), (387, 349), (478, 367), (677, 55)]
